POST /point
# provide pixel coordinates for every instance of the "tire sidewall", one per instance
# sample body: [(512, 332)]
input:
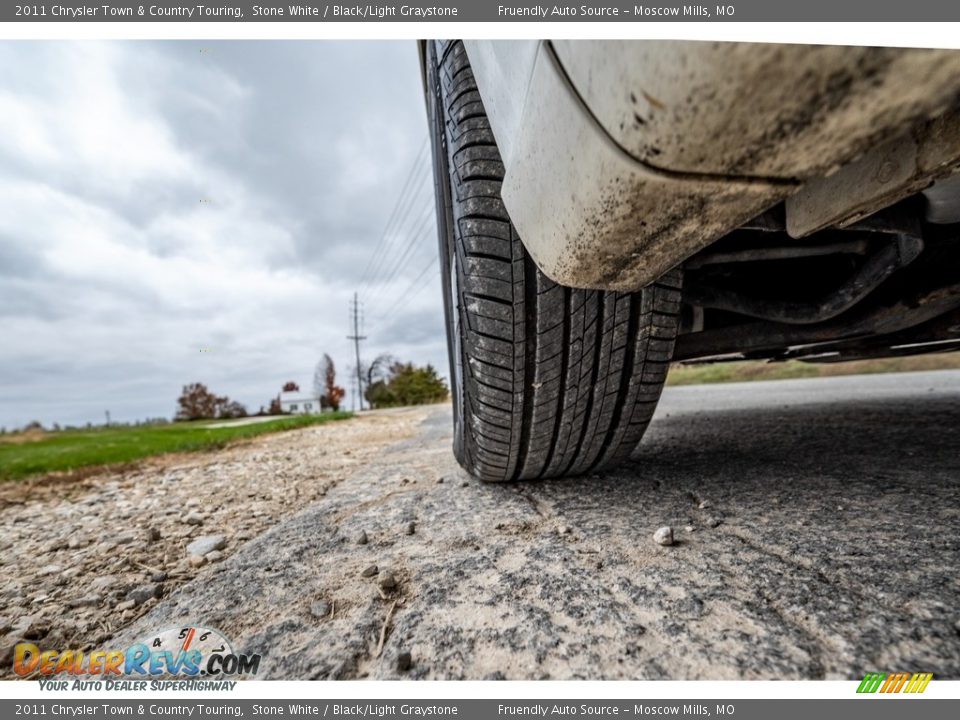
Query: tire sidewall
[(448, 255)]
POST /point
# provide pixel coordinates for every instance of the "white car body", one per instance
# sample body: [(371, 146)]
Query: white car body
[(625, 158)]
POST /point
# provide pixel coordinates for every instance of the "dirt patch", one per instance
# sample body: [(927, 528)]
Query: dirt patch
[(85, 557)]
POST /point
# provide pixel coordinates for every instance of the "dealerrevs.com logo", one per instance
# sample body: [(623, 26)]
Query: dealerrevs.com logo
[(183, 658)]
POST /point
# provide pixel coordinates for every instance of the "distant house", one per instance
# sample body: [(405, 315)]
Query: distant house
[(296, 402)]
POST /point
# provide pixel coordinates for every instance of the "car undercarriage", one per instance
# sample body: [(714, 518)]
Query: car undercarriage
[(884, 286)]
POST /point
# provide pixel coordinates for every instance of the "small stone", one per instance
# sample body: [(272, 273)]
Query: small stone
[(145, 592), (159, 576), (85, 601), (705, 504), (124, 539), (362, 538), (370, 571), (320, 609), (214, 556), (197, 561), (404, 661), (76, 542), (688, 528), (104, 582), (50, 570), (193, 518), (439, 481), (564, 530), (206, 544), (387, 580), (464, 484), (410, 528), (713, 521), (58, 544), (152, 534), (664, 536), (125, 605)]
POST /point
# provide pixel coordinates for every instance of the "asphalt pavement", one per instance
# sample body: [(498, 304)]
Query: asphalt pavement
[(817, 535)]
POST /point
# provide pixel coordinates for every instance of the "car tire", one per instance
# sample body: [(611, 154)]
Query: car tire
[(546, 380)]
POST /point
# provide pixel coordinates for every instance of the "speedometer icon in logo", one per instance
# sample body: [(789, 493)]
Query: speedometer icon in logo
[(191, 650), (185, 639)]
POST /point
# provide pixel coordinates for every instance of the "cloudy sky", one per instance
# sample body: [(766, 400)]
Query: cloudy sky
[(173, 212)]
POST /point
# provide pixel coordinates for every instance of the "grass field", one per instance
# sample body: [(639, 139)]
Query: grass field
[(39, 453), (761, 370)]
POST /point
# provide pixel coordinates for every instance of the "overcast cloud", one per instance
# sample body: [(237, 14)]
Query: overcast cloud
[(159, 199)]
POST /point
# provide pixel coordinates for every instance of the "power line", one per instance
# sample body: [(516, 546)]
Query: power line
[(401, 229), (406, 295), (376, 255), (406, 254), (396, 207)]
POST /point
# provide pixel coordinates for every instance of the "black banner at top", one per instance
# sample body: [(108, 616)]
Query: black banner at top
[(481, 11)]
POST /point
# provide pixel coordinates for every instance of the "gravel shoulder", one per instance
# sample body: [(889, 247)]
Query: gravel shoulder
[(816, 529), (83, 558)]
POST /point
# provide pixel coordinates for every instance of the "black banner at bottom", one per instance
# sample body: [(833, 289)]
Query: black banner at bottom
[(873, 707)]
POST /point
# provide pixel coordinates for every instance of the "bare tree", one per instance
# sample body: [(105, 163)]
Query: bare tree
[(377, 371), (325, 383), (379, 368), (320, 379)]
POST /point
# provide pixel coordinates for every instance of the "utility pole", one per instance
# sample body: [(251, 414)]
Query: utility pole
[(357, 337)]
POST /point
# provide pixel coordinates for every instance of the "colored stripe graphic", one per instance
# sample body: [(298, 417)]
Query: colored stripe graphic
[(894, 682), (871, 682), (918, 683)]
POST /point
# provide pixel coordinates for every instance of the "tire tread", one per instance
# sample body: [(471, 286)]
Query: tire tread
[(556, 380)]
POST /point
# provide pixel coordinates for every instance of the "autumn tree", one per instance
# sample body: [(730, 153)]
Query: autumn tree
[(196, 402), (291, 386), (325, 383)]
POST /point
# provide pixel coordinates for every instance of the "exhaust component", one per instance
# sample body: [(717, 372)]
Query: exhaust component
[(783, 252), (895, 254), (759, 338)]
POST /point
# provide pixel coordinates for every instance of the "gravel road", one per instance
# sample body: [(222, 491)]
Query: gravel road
[(816, 526)]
